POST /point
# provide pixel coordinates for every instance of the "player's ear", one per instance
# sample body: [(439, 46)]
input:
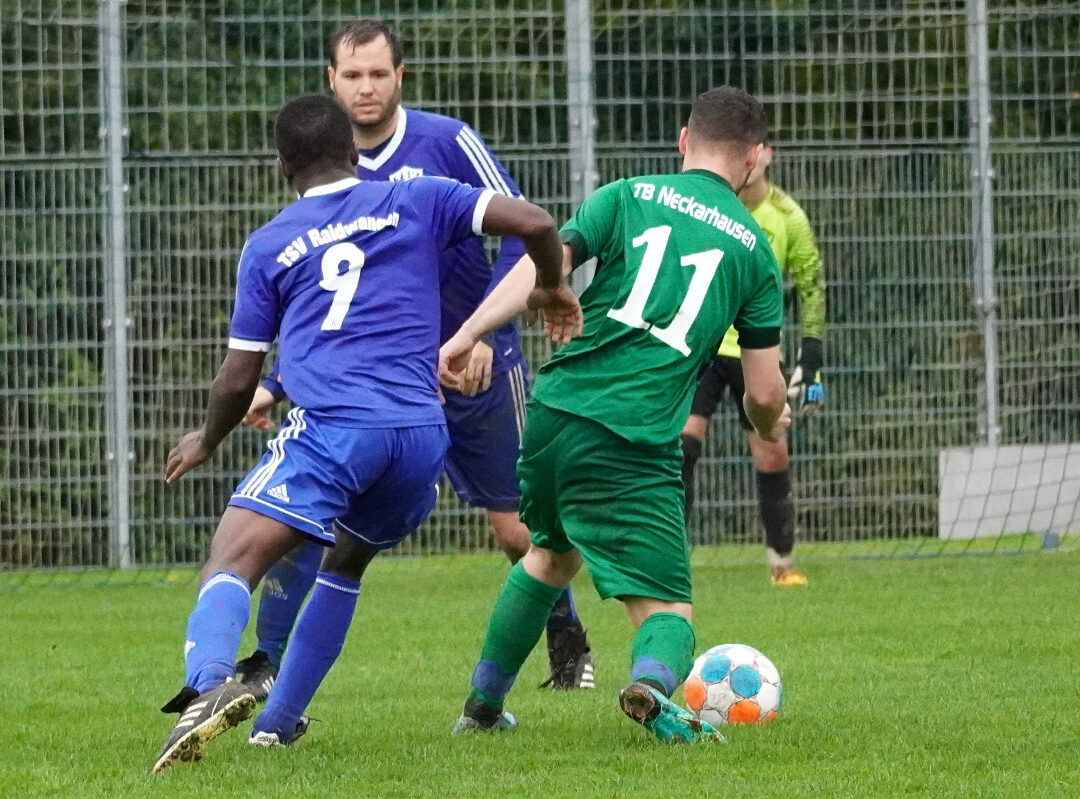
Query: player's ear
[(285, 169), (354, 156), (682, 140), (330, 75), (753, 155)]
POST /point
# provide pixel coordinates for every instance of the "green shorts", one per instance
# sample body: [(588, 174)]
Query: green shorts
[(620, 504)]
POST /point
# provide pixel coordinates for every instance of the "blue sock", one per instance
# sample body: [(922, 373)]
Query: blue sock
[(214, 630), (564, 614), (316, 643), (284, 589)]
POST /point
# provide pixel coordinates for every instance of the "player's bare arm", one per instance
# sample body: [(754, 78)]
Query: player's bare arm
[(514, 293), (507, 216), (541, 268), (560, 309), (230, 397), (765, 400)]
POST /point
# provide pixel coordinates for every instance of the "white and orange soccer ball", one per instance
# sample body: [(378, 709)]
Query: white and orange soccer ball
[(733, 684)]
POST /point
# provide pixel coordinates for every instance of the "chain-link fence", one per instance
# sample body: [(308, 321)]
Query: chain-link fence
[(135, 157)]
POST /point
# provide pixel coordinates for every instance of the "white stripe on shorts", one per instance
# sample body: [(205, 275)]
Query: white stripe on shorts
[(295, 426), (520, 395)]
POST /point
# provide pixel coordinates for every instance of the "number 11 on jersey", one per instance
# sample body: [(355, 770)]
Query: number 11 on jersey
[(705, 263)]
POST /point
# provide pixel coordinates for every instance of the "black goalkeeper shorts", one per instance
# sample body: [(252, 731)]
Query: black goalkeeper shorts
[(721, 374)]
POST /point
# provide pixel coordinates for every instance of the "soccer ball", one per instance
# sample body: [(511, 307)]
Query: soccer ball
[(733, 684)]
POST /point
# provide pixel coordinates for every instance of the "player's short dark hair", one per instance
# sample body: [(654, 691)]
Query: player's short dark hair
[(728, 115), (360, 32), (313, 130)]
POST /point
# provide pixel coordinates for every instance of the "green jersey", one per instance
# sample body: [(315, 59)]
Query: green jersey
[(792, 242), (678, 260)]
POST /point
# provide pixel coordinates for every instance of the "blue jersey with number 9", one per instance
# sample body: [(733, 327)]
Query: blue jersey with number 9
[(348, 278)]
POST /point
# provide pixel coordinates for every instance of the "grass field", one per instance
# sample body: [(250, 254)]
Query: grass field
[(909, 677)]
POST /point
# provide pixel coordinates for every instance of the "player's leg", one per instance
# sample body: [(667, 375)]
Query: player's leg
[(317, 642), (621, 505), (663, 649), (284, 588), (533, 585), (245, 545), (707, 396), (692, 439), (771, 464), (271, 511), (773, 487), (662, 655), (516, 624), (395, 476), (485, 440)]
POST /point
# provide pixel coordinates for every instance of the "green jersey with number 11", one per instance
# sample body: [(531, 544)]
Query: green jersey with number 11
[(679, 259)]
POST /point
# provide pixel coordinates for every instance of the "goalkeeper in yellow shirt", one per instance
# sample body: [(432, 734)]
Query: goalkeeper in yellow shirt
[(792, 240)]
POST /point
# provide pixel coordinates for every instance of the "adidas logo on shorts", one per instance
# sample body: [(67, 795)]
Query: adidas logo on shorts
[(279, 492)]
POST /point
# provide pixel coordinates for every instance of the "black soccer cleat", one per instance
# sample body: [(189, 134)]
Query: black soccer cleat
[(203, 717), (570, 659), (179, 703), (258, 674)]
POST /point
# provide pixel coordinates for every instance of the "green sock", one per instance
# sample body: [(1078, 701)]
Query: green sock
[(663, 651), (517, 622)]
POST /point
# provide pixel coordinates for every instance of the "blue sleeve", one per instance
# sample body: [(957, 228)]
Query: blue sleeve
[(473, 163), (476, 165), (256, 311), (456, 211), (272, 381), (510, 253)]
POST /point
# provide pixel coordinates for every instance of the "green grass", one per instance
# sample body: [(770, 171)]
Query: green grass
[(910, 677)]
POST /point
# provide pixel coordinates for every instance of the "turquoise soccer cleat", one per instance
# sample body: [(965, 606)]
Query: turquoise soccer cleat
[(663, 718)]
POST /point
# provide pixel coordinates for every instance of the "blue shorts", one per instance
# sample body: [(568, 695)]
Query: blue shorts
[(374, 484), (485, 440)]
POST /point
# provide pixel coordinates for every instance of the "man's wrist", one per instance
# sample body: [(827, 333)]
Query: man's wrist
[(540, 284), (204, 442), (274, 387), (469, 332), (811, 357)]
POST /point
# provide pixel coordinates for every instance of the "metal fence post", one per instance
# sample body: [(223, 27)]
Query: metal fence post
[(982, 223), (116, 320), (580, 100)]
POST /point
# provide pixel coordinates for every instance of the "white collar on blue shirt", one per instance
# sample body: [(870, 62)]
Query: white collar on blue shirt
[(386, 152), (330, 188)]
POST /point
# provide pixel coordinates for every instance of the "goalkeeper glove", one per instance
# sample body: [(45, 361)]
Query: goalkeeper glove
[(805, 391)]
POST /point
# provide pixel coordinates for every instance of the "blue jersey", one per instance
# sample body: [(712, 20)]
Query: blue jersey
[(348, 278), (431, 144)]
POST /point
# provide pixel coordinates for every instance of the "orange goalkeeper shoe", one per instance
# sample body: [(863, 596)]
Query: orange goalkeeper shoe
[(788, 577)]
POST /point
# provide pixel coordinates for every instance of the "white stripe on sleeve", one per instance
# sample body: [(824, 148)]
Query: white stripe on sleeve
[(486, 158), (488, 174), (249, 346), (481, 209)]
